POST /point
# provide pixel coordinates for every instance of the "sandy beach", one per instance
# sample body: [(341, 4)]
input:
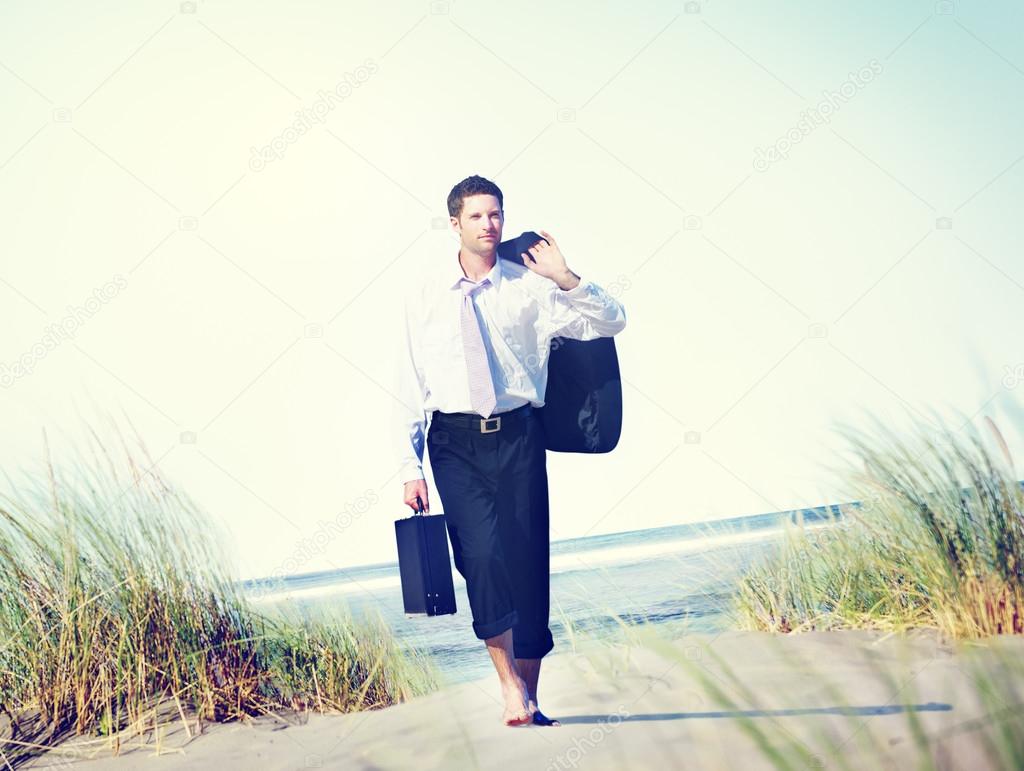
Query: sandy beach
[(855, 693)]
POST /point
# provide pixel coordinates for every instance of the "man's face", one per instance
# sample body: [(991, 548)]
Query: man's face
[(479, 225)]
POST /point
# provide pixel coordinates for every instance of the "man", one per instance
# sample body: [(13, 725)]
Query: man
[(477, 337)]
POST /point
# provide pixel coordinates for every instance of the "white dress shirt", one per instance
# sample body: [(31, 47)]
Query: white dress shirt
[(521, 312)]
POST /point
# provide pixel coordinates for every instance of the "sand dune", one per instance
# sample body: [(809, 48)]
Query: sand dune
[(855, 693)]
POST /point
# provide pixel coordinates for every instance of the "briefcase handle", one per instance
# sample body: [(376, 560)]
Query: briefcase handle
[(419, 503)]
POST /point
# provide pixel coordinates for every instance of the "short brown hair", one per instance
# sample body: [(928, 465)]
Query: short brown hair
[(472, 186)]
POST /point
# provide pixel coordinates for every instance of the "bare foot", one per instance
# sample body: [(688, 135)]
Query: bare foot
[(517, 710), (539, 718)]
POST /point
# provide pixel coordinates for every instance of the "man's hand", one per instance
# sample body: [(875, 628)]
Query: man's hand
[(417, 488), (547, 260)]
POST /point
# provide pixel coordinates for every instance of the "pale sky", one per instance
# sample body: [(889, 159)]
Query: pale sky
[(245, 316)]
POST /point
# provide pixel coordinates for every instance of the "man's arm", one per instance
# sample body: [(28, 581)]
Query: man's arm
[(572, 307), (583, 312), (409, 419)]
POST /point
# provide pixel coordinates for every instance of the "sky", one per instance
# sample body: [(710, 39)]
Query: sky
[(810, 213)]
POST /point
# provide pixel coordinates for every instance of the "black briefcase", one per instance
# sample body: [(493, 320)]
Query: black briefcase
[(423, 564)]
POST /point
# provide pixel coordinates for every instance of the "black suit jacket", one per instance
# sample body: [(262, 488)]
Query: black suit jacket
[(582, 409)]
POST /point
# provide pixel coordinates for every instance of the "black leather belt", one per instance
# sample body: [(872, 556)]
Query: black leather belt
[(476, 422)]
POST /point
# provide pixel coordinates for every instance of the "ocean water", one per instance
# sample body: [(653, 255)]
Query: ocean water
[(678, 576)]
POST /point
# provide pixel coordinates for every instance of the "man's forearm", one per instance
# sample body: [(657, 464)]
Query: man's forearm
[(567, 281), (585, 311), (408, 419), (409, 440)]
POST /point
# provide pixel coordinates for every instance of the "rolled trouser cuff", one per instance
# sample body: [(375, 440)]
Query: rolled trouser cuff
[(533, 650), (493, 628)]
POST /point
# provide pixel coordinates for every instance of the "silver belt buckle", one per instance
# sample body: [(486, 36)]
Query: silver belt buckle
[(484, 421)]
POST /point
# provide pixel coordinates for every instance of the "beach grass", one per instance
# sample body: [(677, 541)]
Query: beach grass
[(935, 540), (117, 612), (933, 544), (118, 615), (838, 723)]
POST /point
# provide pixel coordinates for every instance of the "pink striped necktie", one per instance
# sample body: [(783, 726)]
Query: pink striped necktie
[(481, 385)]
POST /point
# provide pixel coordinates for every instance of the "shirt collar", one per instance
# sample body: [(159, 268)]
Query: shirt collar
[(494, 275)]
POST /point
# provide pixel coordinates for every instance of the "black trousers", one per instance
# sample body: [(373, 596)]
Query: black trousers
[(494, 491)]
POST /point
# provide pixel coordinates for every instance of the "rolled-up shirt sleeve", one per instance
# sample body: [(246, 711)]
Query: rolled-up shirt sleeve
[(584, 312), (409, 418)]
